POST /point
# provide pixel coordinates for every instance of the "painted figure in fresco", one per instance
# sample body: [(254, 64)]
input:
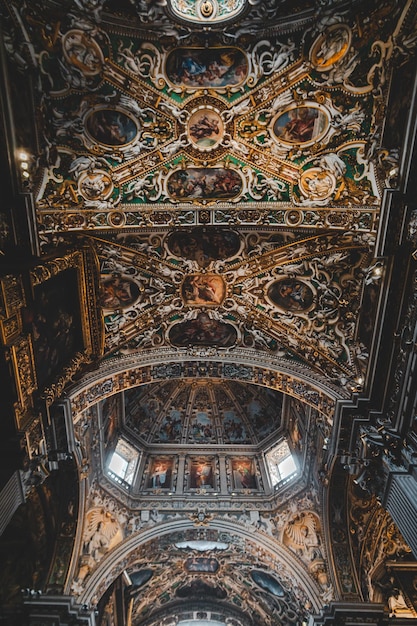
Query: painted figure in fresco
[(243, 475), (212, 67), (204, 126), (202, 475), (203, 331), (300, 127), (204, 246), (118, 292), (204, 183), (234, 429), (160, 476), (170, 427), (111, 127), (291, 294), (203, 289)]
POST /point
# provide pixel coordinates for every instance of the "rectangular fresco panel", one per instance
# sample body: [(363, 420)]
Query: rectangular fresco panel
[(160, 475), (55, 323), (244, 474), (202, 474)]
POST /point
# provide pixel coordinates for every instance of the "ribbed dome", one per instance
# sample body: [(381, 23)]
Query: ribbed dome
[(190, 412)]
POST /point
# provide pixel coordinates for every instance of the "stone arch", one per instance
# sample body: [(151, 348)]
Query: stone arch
[(116, 561)]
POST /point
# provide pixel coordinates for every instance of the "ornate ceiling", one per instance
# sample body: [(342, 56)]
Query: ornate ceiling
[(222, 166)]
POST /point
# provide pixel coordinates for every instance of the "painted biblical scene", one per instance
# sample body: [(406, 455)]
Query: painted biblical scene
[(202, 474), (205, 128), (290, 294), (111, 127), (301, 124), (203, 331), (54, 321), (204, 245), (244, 474), (160, 474), (203, 289), (171, 427), (208, 183), (206, 564), (201, 428), (118, 292), (234, 428), (207, 67)]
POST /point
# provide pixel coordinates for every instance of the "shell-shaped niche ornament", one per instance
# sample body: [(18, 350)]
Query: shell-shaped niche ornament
[(206, 11)]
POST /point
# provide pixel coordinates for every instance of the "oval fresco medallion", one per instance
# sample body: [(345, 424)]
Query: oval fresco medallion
[(317, 184), (111, 127), (206, 183), (205, 128), (300, 125), (82, 52), (330, 47), (203, 331), (203, 289), (290, 294), (207, 67), (95, 185), (267, 582), (117, 292)]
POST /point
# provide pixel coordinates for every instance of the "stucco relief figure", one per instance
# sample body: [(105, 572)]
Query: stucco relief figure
[(95, 185), (102, 532), (302, 534), (317, 184), (330, 47), (82, 52)]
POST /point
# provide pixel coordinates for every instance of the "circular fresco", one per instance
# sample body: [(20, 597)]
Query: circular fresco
[(290, 294), (82, 52), (205, 128), (300, 125), (118, 292), (330, 47), (95, 185), (317, 184), (111, 127)]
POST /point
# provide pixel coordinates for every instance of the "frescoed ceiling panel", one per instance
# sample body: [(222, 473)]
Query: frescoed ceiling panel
[(284, 122), (203, 413), (298, 301)]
